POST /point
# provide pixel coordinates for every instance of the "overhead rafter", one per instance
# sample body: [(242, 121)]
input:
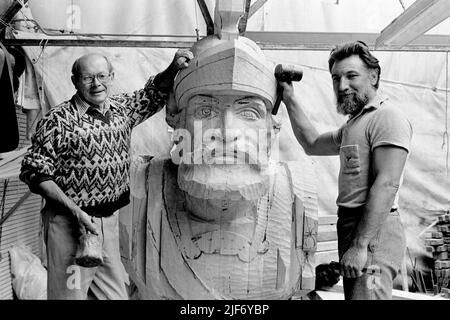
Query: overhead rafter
[(417, 19), (208, 20), (314, 41), (255, 7), (9, 13)]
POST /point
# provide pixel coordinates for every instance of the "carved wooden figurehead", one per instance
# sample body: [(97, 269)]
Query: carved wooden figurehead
[(226, 227)]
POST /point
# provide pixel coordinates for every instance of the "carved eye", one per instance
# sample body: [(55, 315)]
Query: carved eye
[(205, 112), (249, 114)]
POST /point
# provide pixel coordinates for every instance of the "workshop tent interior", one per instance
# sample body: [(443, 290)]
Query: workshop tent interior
[(141, 36)]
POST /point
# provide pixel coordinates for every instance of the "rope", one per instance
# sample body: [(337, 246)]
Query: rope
[(72, 17), (43, 78), (196, 21), (5, 187), (43, 44)]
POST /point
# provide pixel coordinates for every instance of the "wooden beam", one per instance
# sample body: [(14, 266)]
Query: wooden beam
[(255, 7), (208, 20), (96, 43), (325, 41), (15, 206), (311, 41), (417, 19), (9, 14)]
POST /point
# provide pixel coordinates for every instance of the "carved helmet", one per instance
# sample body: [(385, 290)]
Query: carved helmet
[(237, 66)]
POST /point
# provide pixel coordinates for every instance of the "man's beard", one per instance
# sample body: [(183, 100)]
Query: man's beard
[(223, 181), (351, 103)]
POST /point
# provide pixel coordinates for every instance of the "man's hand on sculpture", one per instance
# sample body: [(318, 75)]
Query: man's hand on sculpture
[(353, 262), (84, 223), (181, 59), (164, 80)]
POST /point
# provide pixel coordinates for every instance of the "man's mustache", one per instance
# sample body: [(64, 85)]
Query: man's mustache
[(342, 96)]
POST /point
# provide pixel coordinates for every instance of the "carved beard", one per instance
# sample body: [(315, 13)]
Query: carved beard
[(351, 103), (232, 181)]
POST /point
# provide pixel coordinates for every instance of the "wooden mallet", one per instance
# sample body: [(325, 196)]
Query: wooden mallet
[(285, 73)]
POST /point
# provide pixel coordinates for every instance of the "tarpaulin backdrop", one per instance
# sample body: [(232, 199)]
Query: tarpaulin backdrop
[(416, 82)]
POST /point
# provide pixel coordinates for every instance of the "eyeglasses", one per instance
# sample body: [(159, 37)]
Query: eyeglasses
[(89, 78)]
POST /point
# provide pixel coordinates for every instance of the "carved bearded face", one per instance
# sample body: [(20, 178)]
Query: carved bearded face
[(228, 156)]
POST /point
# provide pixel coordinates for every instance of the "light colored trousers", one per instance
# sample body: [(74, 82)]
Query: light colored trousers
[(66, 280), (385, 254)]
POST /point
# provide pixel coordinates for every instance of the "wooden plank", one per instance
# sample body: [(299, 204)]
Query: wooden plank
[(326, 256), (337, 293), (21, 218), (328, 219), (267, 40), (327, 233), (420, 17), (327, 245), (12, 155), (255, 7), (28, 227), (9, 13), (31, 240)]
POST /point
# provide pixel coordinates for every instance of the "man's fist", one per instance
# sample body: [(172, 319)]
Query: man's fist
[(181, 59)]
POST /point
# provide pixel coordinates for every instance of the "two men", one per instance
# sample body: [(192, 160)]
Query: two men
[(79, 162), (373, 146)]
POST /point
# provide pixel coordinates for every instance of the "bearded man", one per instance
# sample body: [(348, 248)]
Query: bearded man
[(222, 219), (373, 146)]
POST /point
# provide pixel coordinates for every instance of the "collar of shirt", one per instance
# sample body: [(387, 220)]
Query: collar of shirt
[(83, 106), (374, 103)]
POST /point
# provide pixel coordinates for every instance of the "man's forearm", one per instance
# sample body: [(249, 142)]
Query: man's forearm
[(51, 191), (381, 198), (165, 79), (304, 131)]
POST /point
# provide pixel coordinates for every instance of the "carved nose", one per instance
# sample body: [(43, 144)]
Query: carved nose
[(230, 131)]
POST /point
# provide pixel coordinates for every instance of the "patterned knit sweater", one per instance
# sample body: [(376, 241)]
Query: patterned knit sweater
[(87, 155)]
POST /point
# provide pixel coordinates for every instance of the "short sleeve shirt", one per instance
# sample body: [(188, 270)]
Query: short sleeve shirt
[(378, 124)]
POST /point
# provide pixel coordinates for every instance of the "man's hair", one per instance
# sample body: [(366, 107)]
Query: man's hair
[(76, 65), (358, 48)]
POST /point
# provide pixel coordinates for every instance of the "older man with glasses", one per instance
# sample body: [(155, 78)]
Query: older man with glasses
[(79, 163)]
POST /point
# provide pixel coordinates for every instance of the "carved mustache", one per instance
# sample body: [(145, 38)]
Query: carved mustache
[(239, 154)]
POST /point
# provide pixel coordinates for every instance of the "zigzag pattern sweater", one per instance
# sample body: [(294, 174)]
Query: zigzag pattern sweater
[(87, 155)]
